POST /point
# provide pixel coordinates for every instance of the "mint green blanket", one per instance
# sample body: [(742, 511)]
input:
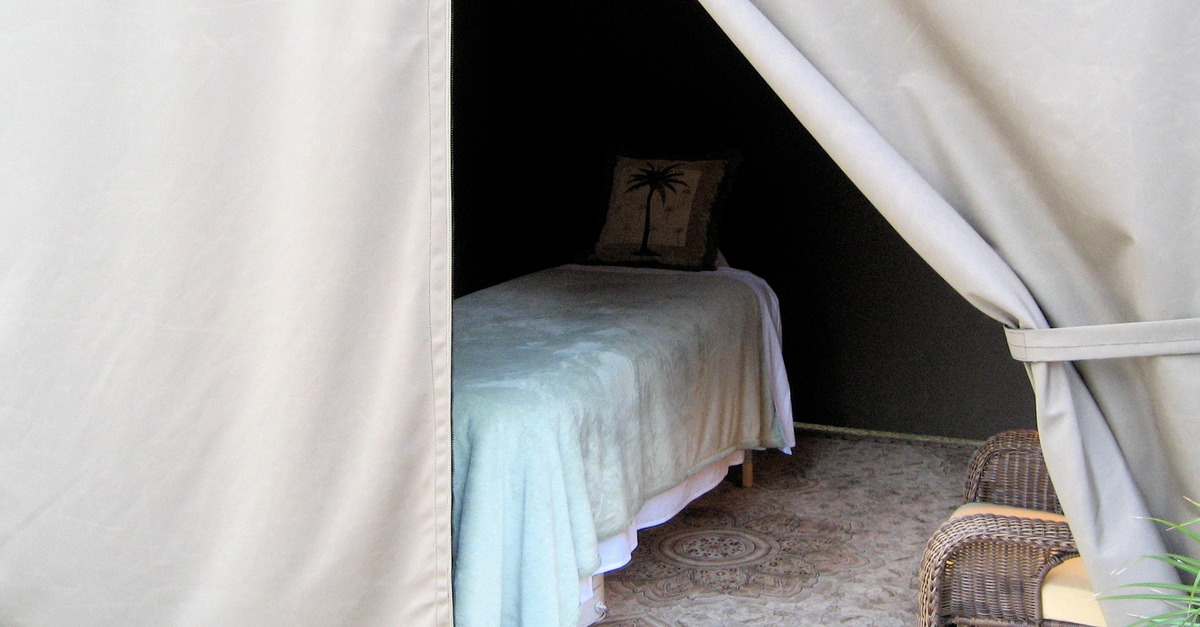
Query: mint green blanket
[(579, 393)]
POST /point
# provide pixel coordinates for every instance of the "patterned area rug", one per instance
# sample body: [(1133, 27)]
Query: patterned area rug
[(831, 535)]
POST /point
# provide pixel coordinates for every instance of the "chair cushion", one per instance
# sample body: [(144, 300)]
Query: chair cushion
[(1067, 595), (1066, 592), (966, 509)]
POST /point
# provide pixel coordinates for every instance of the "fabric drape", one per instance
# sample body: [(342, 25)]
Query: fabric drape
[(224, 313), (1043, 158)]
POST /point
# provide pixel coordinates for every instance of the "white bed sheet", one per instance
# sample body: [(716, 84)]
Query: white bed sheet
[(772, 330), (617, 542), (617, 550)]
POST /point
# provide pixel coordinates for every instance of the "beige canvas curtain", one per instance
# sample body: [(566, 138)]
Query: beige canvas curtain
[(224, 307), (1044, 158)]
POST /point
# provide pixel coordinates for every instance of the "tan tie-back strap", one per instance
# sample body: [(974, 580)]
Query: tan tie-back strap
[(1106, 341)]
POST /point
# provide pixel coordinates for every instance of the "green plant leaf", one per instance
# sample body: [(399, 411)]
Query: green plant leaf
[(1182, 596), (1182, 562), (1182, 618), (1181, 528), (1157, 596)]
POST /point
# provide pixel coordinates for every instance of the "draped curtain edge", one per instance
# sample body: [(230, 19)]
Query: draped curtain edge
[(1078, 442)]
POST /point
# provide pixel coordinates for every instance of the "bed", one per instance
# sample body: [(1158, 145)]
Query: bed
[(590, 401)]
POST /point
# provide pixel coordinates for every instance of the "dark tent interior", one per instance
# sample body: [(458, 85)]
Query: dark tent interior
[(545, 92)]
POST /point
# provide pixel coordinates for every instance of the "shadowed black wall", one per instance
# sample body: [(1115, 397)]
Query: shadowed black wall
[(544, 91)]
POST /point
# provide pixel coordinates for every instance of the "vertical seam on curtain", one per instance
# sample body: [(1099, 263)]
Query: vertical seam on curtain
[(437, 16)]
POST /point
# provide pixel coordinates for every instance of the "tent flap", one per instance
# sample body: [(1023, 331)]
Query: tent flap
[(224, 313), (1043, 159)]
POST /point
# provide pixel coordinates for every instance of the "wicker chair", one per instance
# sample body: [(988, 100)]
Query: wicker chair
[(987, 564)]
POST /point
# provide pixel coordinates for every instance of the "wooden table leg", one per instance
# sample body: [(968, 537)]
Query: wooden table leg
[(744, 474)]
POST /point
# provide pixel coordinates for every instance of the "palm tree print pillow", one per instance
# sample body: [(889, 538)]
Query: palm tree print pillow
[(661, 214)]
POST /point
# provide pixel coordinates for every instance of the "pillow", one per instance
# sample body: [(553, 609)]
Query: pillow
[(663, 213)]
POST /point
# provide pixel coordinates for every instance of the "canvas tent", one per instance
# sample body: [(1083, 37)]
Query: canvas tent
[(224, 272), (1042, 157), (224, 313)]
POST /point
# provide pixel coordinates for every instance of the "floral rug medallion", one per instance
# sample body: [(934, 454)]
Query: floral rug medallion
[(831, 535), (717, 550)]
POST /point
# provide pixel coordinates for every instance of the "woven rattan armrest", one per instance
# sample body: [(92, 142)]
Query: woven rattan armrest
[(986, 569), (1008, 469)]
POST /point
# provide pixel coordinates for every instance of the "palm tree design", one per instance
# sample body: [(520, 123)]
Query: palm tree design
[(655, 180)]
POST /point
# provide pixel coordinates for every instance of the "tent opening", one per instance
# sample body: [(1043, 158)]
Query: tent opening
[(873, 338)]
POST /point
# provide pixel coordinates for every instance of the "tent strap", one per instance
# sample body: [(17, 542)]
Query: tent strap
[(1106, 341)]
